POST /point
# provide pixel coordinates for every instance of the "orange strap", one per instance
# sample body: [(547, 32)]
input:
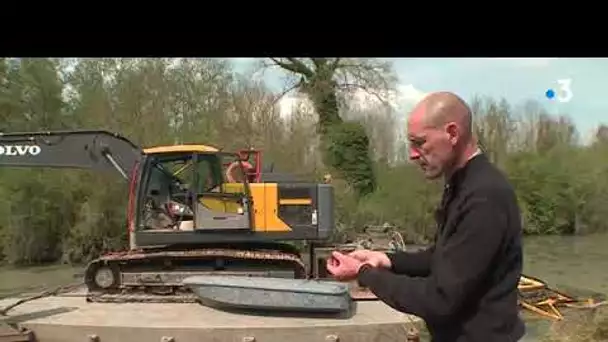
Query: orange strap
[(230, 169)]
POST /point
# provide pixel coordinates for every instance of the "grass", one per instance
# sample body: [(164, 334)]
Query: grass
[(581, 326), (19, 280)]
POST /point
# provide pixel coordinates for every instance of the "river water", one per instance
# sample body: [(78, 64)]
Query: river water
[(565, 261), (576, 261)]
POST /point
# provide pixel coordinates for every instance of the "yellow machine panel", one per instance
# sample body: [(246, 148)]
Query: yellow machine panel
[(259, 209), (180, 148), (265, 205), (266, 208), (225, 205)]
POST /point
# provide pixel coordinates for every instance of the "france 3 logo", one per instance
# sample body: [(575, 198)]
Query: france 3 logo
[(563, 91)]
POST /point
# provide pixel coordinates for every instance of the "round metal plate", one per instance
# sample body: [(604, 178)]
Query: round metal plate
[(104, 277)]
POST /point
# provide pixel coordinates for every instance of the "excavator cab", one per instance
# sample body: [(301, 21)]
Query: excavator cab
[(191, 191)]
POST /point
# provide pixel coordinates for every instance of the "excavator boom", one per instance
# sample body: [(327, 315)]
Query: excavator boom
[(83, 149)]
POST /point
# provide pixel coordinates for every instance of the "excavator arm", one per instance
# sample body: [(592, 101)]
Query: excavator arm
[(80, 149)]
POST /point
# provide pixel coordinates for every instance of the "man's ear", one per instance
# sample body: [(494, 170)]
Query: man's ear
[(453, 133)]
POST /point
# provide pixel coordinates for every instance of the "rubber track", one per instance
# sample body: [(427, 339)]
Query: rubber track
[(215, 252), (142, 294)]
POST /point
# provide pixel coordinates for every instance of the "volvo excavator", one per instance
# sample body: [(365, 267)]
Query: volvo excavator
[(192, 210)]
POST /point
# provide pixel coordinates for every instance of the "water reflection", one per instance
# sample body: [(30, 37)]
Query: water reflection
[(572, 261)]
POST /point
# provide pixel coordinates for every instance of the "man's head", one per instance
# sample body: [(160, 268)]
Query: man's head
[(440, 134)]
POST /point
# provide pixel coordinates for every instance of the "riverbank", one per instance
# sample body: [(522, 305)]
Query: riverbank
[(573, 261), (16, 280)]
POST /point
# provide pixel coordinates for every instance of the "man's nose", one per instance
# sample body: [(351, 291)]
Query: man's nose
[(413, 153)]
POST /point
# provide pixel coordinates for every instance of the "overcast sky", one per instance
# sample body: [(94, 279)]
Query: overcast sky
[(516, 79)]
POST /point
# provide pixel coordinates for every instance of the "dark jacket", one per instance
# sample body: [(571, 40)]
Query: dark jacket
[(465, 285)]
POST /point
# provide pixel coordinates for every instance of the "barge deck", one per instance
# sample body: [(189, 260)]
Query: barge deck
[(69, 318)]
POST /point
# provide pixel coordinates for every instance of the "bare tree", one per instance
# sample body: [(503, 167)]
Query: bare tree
[(327, 81), (601, 135)]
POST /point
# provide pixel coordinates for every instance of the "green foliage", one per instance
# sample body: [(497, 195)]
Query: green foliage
[(36, 225), (544, 192), (99, 225), (348, 147), (402, 198)]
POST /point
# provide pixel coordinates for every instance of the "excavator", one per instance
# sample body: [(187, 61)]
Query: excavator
[(192, 210)]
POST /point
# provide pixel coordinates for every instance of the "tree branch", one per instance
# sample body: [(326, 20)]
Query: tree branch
[(284, 92), (372, 76), (319, 63), (350, 87), (335, 64), (294, 65)]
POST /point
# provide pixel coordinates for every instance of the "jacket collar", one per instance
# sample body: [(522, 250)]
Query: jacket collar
[(460, 174)]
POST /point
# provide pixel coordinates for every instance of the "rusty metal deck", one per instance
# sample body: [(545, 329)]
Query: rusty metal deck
[(68, 318)]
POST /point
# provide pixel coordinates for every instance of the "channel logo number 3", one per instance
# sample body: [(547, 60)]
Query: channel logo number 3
[(564, 91)]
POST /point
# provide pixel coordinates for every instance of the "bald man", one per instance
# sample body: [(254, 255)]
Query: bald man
[(465, 285)]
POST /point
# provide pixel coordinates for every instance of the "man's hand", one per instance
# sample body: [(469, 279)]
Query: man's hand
[(343, 267), (374, 258)]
